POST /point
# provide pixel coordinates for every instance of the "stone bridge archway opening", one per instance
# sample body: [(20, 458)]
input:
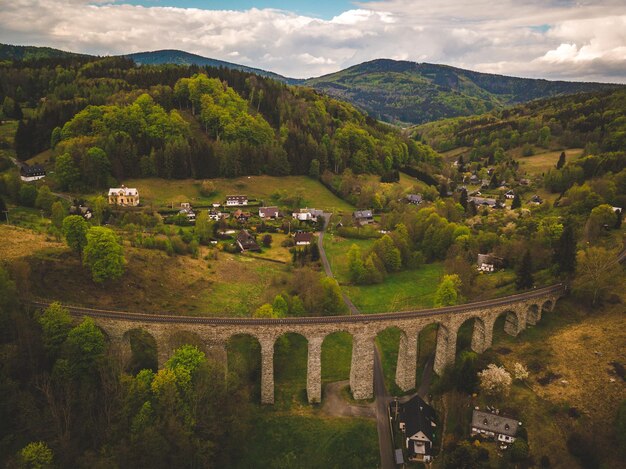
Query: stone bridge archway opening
[(547, 306), (472, 336), (143, 350), (336, 357), (507, 324), (388, 344), (290, 370), (244, 364)]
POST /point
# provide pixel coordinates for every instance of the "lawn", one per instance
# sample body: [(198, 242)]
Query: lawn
[(337, 248), (309, 442), (164, 192), (409, 289), (542, 162)]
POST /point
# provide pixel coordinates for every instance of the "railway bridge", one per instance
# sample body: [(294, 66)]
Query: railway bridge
[(213, 334)]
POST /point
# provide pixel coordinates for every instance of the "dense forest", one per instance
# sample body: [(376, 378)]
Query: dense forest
[(178, 121), (413, 93)]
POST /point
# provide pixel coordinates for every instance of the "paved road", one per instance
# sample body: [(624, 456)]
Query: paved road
[(380, 391)]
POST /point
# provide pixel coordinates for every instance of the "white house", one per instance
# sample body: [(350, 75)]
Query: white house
[(489, 262), (269, 212), (235, 200), (510, 194), (215, 215), (125, 196), (308, 214), (185, 209)]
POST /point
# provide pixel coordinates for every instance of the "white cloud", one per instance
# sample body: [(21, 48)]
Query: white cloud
[(552, 39)]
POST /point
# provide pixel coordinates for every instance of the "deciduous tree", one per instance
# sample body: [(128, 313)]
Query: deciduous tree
[(495, 381), (75, 231), (447, 293), (104, 255), (597, 273)]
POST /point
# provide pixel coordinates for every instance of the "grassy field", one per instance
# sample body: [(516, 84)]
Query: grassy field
[(309, 442), (163, 193), (542, 162), (336, 248), (410, 289), (232, 285)]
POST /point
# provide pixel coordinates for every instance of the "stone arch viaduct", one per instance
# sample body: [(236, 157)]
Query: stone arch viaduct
[(214, 333)]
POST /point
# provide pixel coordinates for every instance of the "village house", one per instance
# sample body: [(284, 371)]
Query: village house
[(32, 173), (509, 194), (536, 200), (362, 217), (489, 263), (236, 200), (81, 210), (241, 216), (185, 209), (308, 214), (474, 179), (270, 213), (302, 238), (125, 196), (490, 425), (414, 199), (485, 202), (246, 242), (215, 215), (416, 420)]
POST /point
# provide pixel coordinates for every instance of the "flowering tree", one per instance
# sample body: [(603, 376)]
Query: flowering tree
[(520, 371), (495, 380)]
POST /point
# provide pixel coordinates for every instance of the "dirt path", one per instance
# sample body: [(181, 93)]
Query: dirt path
[(334, 405)]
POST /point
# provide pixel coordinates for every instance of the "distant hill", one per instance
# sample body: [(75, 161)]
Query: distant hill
[(413, 93), (179, 57), (10, 52)]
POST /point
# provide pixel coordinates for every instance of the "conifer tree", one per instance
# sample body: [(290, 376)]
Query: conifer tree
[(524, 273), (517, 202), (561, 161), (463, 199), (565, 251)]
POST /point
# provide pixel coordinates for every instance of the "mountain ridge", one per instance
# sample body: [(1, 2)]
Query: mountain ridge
[(400, 92)]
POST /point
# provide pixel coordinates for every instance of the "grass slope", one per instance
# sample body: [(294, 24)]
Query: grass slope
[(164, 192)]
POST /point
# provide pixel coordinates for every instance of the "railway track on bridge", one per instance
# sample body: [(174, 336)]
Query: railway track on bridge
[(174, 319)]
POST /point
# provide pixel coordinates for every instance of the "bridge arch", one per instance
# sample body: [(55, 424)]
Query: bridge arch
[(142, 348), (473, 333), (336, 356), (243, 359), (291, 366), (547, 306)]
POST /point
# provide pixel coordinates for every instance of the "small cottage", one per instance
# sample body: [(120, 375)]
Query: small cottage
[(32, 173), (484, 202), (246, 242), (536, 200), (236, 200), (187, 211), (124, 196), (81, 210), (302, 238), (269, 213), (489, 263), (215, 215), (490, 425), (414, 199), (509, 194), (362, 217), (241, 216)]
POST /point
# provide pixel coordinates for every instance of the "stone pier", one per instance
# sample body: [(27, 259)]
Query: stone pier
[(406, 368), (267, 370), (362, 367), (314, 370)]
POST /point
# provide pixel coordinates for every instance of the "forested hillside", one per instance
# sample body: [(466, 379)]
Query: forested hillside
[(11, 52), (409, 92), (198, 122)]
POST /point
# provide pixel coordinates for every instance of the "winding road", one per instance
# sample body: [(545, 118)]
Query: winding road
[(385, 443)]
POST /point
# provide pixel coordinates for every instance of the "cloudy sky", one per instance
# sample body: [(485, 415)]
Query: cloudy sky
[(554, 39)]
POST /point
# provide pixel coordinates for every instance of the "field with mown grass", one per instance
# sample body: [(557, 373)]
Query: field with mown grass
[(164, 192), (542, 161)]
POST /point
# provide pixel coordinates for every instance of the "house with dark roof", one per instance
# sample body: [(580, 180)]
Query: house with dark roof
[(489, 262), (510, 194), (246, 242), (269, 213), (362, 217), (235, 200), (303, 238), (416, 420), (81, 210), (485, 202), (32, 173), (414, 199), (536, 200), (187, 211), (490, 425)]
